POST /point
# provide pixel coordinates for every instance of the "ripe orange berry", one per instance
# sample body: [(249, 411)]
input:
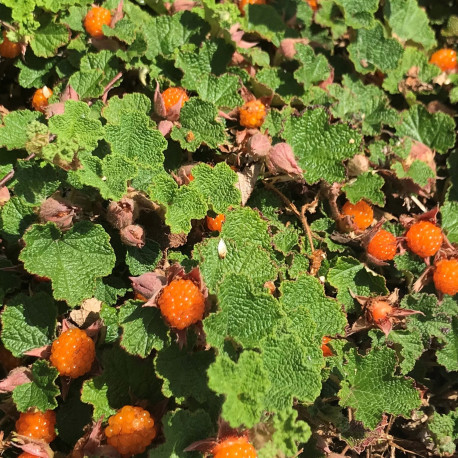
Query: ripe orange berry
[(445, 276), (324, 348), (130, 430), (40, 99), (361, 212), (382, 245), (234, 447), (380, 310), (252, 114), (96, 17), (424, 238), (172, 96), (37, 425), (73, 353), (243, 3), (445, 59), (9, 49), (27, 455), (181, 303), (313, 4), (216, 223)]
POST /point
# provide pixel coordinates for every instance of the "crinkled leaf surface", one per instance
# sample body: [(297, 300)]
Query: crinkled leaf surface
[(319, 146), (28, 322), (366, 186), (41, 392), (359, 13), (129, 102), (371, 389), (448, 355), (450, 220), (13, 132), (48, 39), (72, 260)]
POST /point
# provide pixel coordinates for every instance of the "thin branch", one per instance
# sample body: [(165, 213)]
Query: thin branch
[(10, 175), (109, 86)]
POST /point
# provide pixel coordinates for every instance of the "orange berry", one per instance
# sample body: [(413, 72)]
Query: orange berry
[(243, 3), (313, 4), (445, 276), (445, 59), (140, 297), (324, 348), (424, 238), (216, 223), (37, 425), (191, 177), (27, 455), (9, 49), (40, 99), (130, 430), (252, 114), (234, 447), (382, 245), (73, 353), (181, 303), (380, 310), (361, 212), (173, 95), (96, 17)]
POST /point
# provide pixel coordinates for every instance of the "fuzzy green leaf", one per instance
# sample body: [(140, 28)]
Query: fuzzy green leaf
[(319, 146), (372, 51), (450, 220), (313, 68), (448, 356), (72, 260), (142, 260), (366, 186), (28, 323), (359, 13), (129, 102), (371, 389), (49, 38), (143, 329), (41, 392), (243, 404), (16, 216), (13, 132), (222, 91)]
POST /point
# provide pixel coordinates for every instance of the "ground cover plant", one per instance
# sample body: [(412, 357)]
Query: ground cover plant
[(228, 229)]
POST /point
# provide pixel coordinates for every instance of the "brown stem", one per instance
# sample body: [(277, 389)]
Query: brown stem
[(109, 86), (10, 175)]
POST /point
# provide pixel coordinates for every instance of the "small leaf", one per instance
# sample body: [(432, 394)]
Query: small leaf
[(48, 39), (366, 186)]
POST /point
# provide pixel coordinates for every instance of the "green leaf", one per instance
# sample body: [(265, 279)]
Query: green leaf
[(280, 82), (182, 428), (28, 323), (363, 105), (49, 38), (109, 317), (143, 329), (187, 204), (217, 185), (372, 51), (409, 22), (9, 281), (319, 146), (213, 57), (142, 260), (77, 124), (13, 132), (359, 13), (34, 72), (108, 289), (172, 363), (448, 356), (288, 432), (243, 404), (129, 102), (313, 69), (264, 20), (308, 293), (41, 392), (366, 186), (242, 257), (348, 274), (444, 430), (419, 172), (449, 213), (286, 239), (199, 118), (435, 130), (246, 314), (72, 260), (222, 91), (371, 389), (16, 216), (134, 138), (415, 61), (124, 379)]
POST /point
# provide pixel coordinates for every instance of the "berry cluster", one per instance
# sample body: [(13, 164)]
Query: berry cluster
[(73, 353), (131, 430), (37, 425)]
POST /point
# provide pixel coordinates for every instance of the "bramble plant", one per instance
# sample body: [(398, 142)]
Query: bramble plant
[(228, 227)]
